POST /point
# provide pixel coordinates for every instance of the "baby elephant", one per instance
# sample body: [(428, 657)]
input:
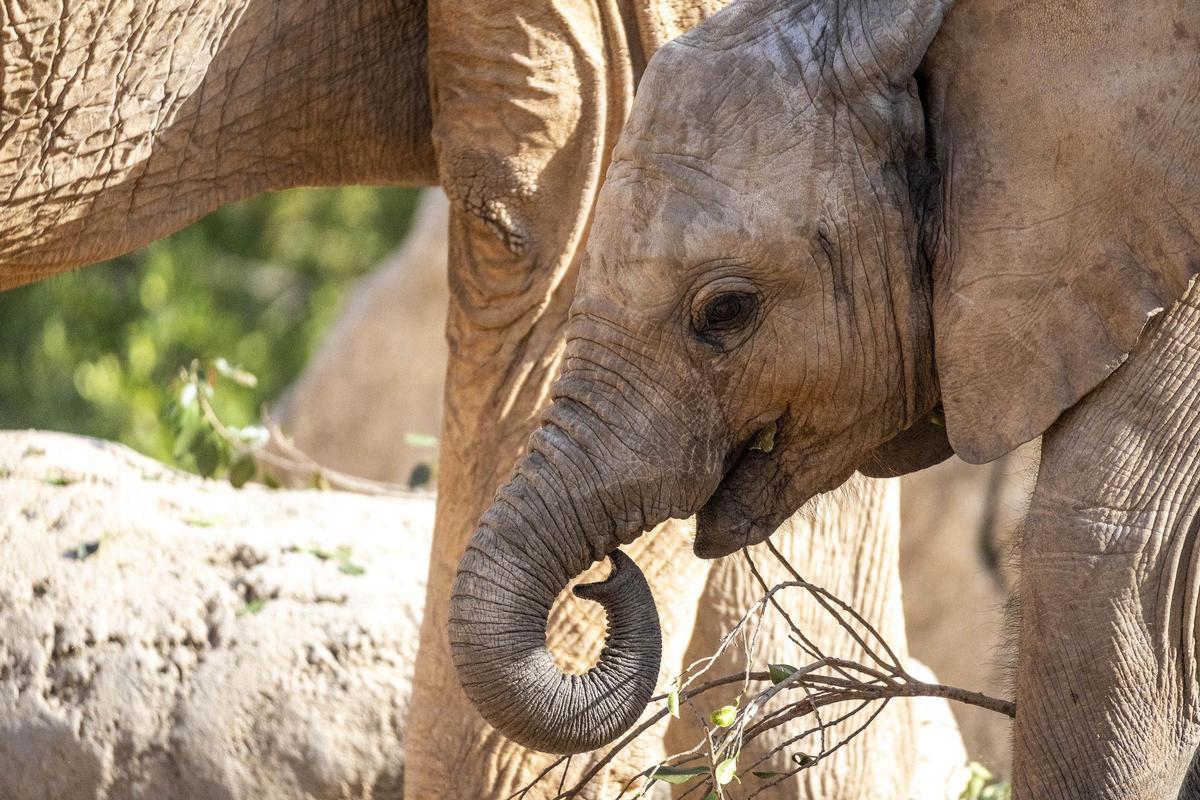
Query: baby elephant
[(826, 224)]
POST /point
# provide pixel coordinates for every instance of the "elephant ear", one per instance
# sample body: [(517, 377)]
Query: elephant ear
[(1071, 189), (888, 39)]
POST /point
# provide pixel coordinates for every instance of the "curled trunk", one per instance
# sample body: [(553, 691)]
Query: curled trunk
[(519, 559), (598, 473)]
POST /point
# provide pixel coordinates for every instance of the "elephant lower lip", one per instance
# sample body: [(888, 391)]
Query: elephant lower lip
[(745, 507), (710, 550), (725, 523)]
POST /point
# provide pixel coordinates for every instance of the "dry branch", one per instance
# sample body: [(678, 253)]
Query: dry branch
[(774, 697)]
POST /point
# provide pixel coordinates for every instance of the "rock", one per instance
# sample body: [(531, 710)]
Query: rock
[(940, 768), (162, 636)]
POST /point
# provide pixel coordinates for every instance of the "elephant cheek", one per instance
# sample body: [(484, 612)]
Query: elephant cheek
[(922, 445)]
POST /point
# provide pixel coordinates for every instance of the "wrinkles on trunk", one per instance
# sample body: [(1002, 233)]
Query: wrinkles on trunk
[(498, 636), (610, 461), (541, 533)]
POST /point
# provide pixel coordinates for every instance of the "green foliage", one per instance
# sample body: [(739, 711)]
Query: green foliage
[(673, 700), (726, 771), (253, 607), (676, 775), (94, 352), (202, 441), (342, 556), (982, 785)]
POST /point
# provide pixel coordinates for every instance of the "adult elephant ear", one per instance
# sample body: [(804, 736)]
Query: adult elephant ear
[(1071, 188)]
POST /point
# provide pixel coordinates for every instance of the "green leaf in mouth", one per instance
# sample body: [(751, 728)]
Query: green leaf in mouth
[(764, 440)]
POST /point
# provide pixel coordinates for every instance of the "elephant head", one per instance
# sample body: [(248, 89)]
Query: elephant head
[(774, 259), (712, 363)]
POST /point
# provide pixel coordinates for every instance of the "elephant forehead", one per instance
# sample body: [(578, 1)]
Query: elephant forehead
[(668, 204), (651, 237)]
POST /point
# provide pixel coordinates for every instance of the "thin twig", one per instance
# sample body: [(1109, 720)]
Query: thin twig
[(825, 681)]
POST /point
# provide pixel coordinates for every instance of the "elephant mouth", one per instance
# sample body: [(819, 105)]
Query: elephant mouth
[(743, 509)]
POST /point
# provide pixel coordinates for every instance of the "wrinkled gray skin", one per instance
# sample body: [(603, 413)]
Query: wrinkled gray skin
[(809, 201)]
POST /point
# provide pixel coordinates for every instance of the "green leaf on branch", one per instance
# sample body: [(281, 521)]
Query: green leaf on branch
[(676, 775), (421, 440), (982, 785), (723, 717), (780, 672), (766, 775), (243, 469), (673, 702), (187, 394), (726, 771), (254, 435), (189, 426), (207, 453), (236, 374)]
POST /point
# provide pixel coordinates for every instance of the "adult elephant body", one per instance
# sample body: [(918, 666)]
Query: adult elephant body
[(124, 121), (879, 230)]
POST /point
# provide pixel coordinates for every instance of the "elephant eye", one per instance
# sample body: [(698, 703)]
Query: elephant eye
[(727, 312)]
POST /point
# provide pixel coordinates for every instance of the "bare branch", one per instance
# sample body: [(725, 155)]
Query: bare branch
[(824, 681)]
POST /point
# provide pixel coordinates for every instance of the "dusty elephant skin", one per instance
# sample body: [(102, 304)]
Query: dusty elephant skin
[(785, 241), (125, 121)]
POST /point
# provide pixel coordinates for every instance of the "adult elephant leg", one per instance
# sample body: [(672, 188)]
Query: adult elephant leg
[(847, 542), (1107, 692), (526, 106)]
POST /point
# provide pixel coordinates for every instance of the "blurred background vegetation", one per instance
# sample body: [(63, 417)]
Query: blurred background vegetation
[(96, 351)]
